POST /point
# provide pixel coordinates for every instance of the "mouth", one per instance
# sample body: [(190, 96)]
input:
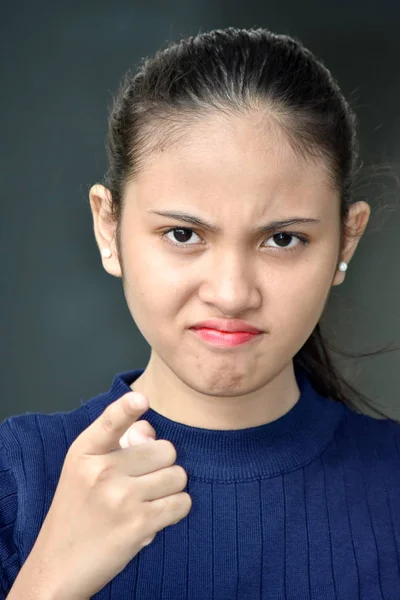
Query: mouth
[(224, 339)]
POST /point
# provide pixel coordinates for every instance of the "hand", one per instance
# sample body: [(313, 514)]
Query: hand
[(110, 501)]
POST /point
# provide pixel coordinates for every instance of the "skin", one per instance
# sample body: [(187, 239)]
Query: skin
[(237, 172)]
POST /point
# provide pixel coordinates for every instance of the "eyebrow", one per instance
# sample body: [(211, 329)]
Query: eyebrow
[(194, 220)]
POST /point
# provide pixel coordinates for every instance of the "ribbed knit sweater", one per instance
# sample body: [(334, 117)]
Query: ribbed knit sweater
[(304, 507)]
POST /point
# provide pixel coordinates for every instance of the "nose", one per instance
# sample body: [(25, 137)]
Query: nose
[(231, 285)]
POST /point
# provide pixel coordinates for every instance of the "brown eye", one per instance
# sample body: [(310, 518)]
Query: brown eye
[(283, 239), (180, 236)]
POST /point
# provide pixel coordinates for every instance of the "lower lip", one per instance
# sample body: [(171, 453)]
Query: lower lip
[(224, 339)]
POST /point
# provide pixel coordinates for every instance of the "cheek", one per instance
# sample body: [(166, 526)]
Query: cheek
[(299, 309), (145, 257), (155, 285)]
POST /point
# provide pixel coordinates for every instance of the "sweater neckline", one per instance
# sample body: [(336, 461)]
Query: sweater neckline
[(267, 450)]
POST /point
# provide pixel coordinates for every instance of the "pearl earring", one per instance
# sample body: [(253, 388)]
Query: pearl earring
[(106, 252), (342, 266)]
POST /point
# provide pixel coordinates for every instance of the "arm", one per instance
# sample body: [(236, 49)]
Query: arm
[(30, 585)]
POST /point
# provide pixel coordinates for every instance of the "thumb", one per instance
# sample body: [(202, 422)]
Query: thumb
[(139, 432)]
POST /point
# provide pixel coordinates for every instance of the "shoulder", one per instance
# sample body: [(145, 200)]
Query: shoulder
[(366, 438), (378, 427), (47, 435)]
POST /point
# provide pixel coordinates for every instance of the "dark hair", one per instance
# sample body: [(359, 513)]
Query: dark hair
[(233, 70)]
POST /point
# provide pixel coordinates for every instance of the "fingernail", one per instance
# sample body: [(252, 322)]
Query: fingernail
[(136, 438), (123, 442), (137, 400)]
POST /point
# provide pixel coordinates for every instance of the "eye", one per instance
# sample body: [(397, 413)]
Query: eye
[(184, 234), (282, 236)]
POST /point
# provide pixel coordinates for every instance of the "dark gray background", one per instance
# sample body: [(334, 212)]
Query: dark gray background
[(65, 327)]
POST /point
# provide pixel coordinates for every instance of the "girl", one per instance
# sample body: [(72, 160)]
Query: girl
[(239, 470)]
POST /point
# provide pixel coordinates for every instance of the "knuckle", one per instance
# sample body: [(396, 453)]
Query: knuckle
[(114, 496), (144, 427), (181, 475), (187, 502), (92, 471), (169, 451), (160, 507), (143, 452), (106, 420), (148, 540), (81, 465), (98, 472), (182, 505)]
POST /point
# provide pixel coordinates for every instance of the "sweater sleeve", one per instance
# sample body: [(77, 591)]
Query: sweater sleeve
[(9, 558)]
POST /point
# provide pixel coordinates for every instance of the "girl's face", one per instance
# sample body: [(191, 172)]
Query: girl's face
[(236, 174)]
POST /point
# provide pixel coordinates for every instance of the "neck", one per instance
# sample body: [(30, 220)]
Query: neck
[(196, 402)]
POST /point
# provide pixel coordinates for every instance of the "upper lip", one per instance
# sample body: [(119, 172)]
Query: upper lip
[(227, 325)]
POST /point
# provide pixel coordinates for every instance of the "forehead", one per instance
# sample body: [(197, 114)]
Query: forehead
[(242, 157)]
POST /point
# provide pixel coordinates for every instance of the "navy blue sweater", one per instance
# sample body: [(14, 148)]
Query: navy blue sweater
[(305, 507)]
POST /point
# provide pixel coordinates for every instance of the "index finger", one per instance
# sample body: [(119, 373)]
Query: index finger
[(103, 435)]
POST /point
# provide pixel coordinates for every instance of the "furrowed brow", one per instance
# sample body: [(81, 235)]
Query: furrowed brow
[(194, 220)]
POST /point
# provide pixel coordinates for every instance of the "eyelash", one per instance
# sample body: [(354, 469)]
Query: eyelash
[(303, 239)]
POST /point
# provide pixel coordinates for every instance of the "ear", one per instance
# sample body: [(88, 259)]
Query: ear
[(104, 227), (357, 221)]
